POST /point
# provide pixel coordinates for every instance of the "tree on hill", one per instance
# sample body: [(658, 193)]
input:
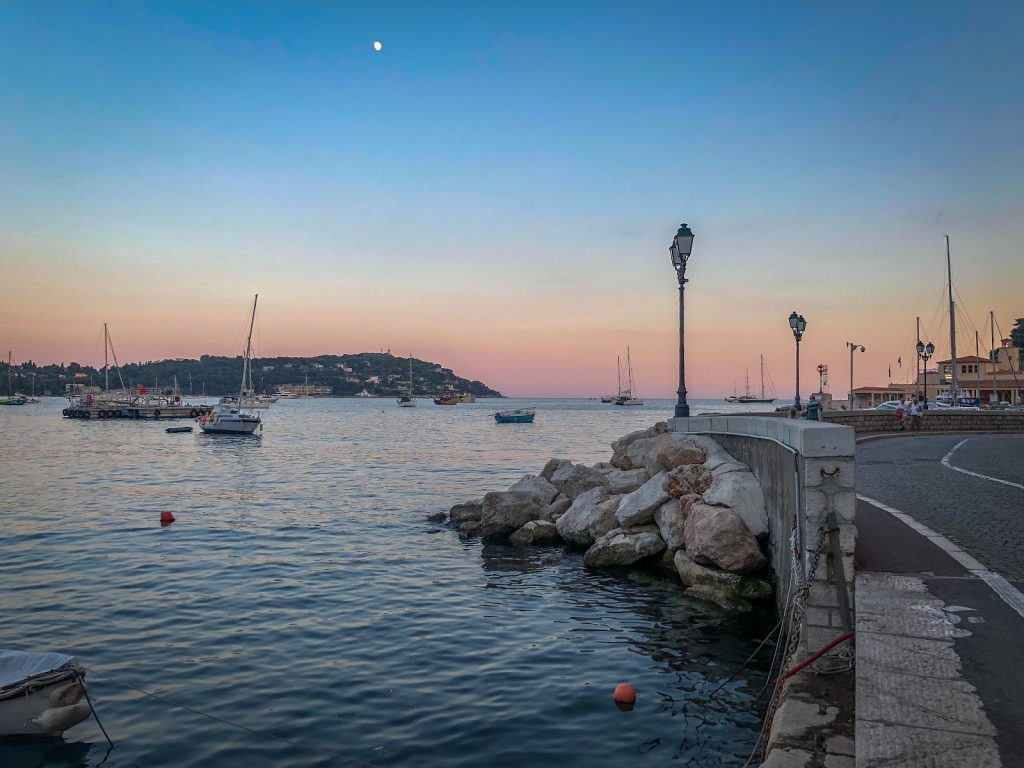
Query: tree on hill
[(1017, 337)]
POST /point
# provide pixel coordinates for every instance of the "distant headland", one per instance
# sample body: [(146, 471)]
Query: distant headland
[(375, 373)]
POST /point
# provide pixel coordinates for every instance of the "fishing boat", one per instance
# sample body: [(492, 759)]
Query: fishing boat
[(748, 396), (516, 416), (229, 416), (447, 400), (625, 396), (407, 400), (41, 694)]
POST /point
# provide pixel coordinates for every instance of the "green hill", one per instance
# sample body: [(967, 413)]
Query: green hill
[(380, 374)]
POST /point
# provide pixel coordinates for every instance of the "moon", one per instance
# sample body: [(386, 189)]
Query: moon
[(376, 45)]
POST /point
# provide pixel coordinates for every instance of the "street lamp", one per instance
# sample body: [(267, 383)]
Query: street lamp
[(680, 249), (925, 351), (853, 348), (798, 326)]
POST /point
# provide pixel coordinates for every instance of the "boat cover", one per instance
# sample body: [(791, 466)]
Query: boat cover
[(18, 666)]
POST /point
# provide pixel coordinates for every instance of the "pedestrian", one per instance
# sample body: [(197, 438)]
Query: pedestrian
[(915, 417), (813, 409), (901, 414)]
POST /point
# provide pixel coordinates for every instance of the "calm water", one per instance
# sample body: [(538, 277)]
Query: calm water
[(301, 594)]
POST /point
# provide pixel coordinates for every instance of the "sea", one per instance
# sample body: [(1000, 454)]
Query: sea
[(302, 610)]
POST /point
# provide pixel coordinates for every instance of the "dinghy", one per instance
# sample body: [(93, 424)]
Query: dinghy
[(41, 694)]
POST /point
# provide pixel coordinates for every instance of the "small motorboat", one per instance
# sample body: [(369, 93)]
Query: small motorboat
[(41, 694), (517, 416), (175, 430)]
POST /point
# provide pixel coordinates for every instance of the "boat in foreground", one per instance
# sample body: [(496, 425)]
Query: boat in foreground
[(516, 416), (41, 694), (227, 417)]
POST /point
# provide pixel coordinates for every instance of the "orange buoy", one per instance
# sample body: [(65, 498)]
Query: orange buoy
[(166, 518), (625, 694)]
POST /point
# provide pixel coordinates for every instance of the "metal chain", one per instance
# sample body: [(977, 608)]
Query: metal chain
[(793, 639)]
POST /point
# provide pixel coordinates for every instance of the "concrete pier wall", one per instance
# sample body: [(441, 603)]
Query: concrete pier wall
[(801, 466), (933, 421)]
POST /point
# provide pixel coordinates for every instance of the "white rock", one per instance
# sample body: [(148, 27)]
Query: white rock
[(670, 520), (741, 492), (573, 480), (667, 451), (626, 480), (638, 507), (506, 512), (536, 532), (589, 518), (624, 547), (717, 536), (543, 491)]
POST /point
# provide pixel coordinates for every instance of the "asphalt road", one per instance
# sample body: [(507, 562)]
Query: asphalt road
[(984, 517)]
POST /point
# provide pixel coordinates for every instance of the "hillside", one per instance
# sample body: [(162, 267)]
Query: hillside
[(380, 374)]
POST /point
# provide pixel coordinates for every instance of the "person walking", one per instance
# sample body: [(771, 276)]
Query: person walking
[(915, 417), (901, 415)]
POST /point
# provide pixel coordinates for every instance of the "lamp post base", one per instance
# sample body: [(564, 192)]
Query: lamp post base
[(682, 410)]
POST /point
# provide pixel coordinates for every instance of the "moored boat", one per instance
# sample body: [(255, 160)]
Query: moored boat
[(228, 416), (41, 694), (516, 416), (447, 400), (407, 400), (625, 396)]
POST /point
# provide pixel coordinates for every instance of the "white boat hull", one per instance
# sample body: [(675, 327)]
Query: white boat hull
[(231, 424), (48, 711)]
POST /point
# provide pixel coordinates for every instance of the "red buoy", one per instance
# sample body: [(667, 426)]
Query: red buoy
[(625, 694), (166, 518)]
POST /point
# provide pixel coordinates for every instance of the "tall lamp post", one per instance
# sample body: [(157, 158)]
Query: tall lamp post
[(853, 348), (680, 250), (798, 325), (925, 351)]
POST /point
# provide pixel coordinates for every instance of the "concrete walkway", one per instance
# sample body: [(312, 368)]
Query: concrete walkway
[(940, 683)]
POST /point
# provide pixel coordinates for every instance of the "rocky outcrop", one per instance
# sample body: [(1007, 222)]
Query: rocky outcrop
[(437, 517), (575, 479), (621, 481), (467, 510), (538, 487), (469, 528), (556, 508), (717, 536), (537, 532), (624, 547), (739, 490), (589, 518), (637, 508), (506, 512)]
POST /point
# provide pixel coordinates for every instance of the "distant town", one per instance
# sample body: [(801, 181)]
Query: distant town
[(378, 374)]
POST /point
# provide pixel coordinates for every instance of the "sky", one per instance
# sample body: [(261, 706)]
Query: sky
[(496, 189)]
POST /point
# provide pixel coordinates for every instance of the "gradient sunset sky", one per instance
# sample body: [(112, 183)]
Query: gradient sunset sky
[(497, 188)]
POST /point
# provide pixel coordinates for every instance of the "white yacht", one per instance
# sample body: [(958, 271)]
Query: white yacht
[(407, 400)]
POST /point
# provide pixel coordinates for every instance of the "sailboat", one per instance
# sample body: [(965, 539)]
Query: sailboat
[(748, 396), (227, 417), (407, 400), (626, 395), (618, 379), (12, 398)]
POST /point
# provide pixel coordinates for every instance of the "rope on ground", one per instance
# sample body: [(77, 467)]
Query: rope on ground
[(239, 726)]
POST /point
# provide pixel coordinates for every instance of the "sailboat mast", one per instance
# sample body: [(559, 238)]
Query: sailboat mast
[(952, 323), (10, 367), (248, 351), (618, 371), (993, 355), (629, 368), (762, 377), (106, 364)]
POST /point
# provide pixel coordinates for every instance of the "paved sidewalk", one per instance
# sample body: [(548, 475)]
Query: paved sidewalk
[(940, 683)]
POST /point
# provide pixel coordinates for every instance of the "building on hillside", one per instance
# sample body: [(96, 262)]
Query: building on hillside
[(306, 390)]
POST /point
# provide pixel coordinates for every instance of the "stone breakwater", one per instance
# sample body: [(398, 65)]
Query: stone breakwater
[(678, 503)]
